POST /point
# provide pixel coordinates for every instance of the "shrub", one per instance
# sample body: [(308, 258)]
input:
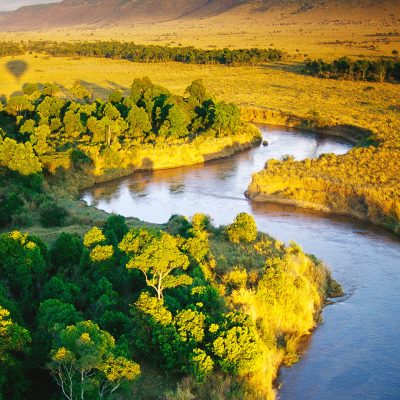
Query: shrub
[(52, 214), (23, 219), (179, 225), (243, 229)]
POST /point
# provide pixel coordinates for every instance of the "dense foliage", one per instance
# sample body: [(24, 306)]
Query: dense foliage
[(78, 318), (145, 53), (42, 131), (360, 70)]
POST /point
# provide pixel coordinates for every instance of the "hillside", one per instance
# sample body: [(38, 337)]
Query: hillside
[(108, 12), (101, 13)]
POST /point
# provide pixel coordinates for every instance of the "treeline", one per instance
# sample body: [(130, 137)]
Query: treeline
[(74, 135), (39, 124), (384, 70), (146, 53), (11, 49), (79, 318)]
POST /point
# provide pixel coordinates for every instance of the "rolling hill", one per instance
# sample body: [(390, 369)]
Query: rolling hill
[(103, 13)]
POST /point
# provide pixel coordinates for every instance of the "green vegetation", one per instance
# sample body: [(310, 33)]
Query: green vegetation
[(82, 317), (384, 70), (145, 53), (96, 315), (75, 141)]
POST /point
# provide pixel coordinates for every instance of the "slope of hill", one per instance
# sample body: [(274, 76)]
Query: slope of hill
[(102, 13), (108, 12)]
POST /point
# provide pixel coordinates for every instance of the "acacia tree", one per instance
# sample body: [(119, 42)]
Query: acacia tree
[(83, 361), (19, 105), (156, 255)]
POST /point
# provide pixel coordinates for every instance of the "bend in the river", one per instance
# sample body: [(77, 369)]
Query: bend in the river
[(355, 353)]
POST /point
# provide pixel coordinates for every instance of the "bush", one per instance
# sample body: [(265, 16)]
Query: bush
[(52, 215), (66, 251), (116, 224), (179, 225), (12, 204), (23, 219), (243, 229)]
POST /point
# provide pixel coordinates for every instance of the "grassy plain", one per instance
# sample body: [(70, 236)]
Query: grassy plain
[(326, 31), (274, 90), (276, 87)]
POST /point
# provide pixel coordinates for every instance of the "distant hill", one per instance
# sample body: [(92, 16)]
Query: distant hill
[(103, 13)]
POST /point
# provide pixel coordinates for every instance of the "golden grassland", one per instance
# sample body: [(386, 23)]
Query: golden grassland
[(275, 87), (276, 91), (279, 89), (329, 31)]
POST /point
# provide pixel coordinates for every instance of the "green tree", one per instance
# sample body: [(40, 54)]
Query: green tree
[(115, 96), (58, 289), (83, 362), (94, 240), (13, 337), (236, 346), (22, 268), (50, 107), (243, 229), (19, 105), (156, 256), (201, 365), (27, 127), (72, 124), (54, 315), (51, 89), (14, 342), (116, 224), (66, 252), (138, 121), (30, 88), (225, 118), (51, 214), (81, 92), (39, 140), (19, 157), (93, 237), (139, 86), (197, 92), (176, 124)]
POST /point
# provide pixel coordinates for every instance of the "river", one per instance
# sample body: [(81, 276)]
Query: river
[(355, 353)]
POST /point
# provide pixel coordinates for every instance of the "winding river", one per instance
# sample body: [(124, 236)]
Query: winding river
[(355, 353)]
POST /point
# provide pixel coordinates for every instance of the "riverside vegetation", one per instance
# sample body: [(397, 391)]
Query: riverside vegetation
[(124, 313), (364, 183), (111, 311), (241, 274)]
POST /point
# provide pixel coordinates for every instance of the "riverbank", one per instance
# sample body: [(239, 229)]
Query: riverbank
[(148, 158), (313, 184), (351, 133), (333, 184)]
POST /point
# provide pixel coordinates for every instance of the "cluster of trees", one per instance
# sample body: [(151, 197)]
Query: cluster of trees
[(79, 317), (39, 123), (10, 49), (360, 70), (146, 53)]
